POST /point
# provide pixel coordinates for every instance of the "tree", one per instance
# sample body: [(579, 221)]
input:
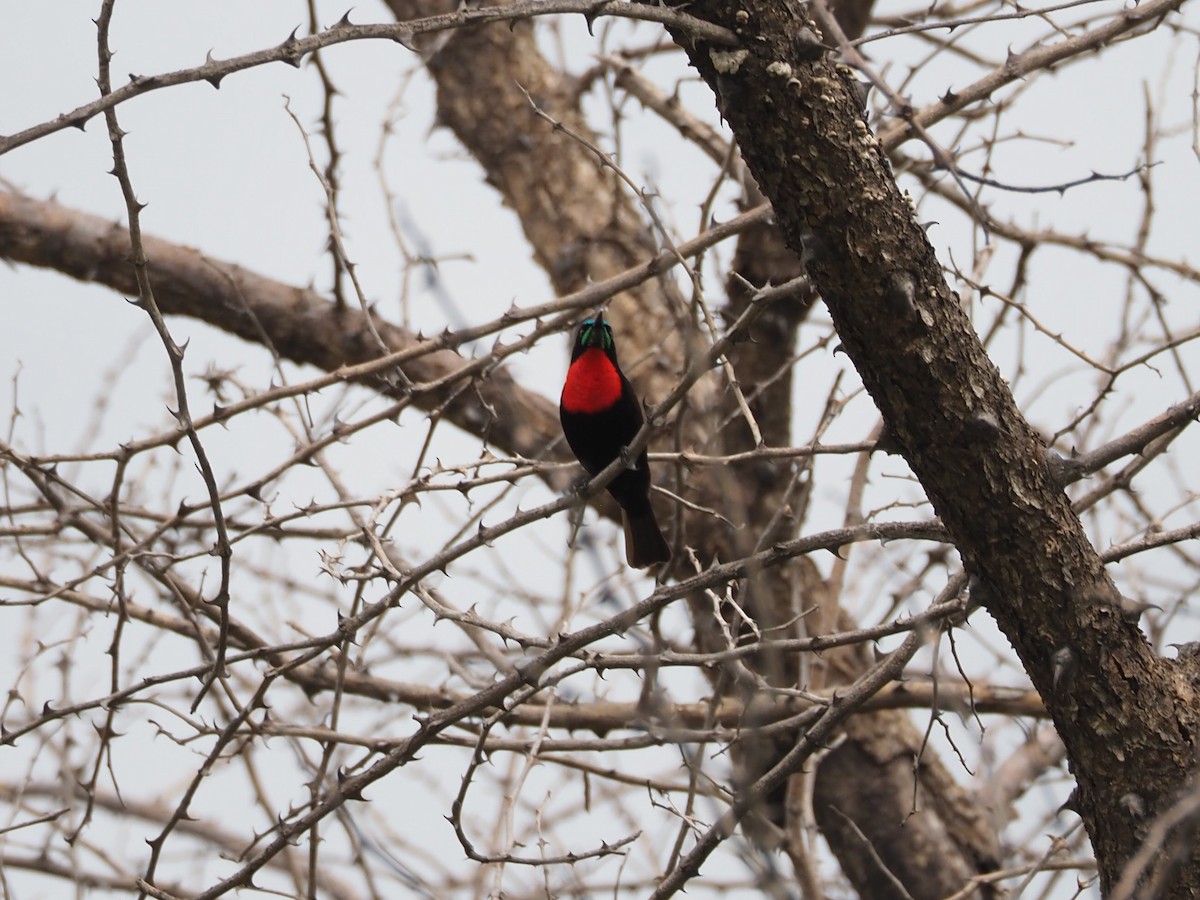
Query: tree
[(582, 729)]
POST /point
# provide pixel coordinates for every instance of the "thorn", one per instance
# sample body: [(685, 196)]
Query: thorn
[(625, 460), (1064, 665), (887, 442), (1131, 610), (1187, 650), (292, 59), (214, 80), (344, 630), (1063, 469), (901, 295), (590, 17), (1133, 804), (807, 46), (862, 90), (1071, 803), (982, 427), (479, 532), (811, 247), (979, 592)]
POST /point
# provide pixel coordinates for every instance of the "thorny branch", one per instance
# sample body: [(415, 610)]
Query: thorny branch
[(370, 650)]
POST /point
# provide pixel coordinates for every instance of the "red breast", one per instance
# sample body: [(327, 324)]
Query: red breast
[(593, 383)]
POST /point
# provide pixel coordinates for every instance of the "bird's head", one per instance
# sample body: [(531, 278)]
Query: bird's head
[(594, 332)]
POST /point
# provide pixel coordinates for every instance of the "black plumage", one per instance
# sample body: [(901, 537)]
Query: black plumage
[(600, 416)]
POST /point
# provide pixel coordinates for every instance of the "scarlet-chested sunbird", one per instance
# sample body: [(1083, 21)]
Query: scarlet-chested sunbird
[(600, 415)]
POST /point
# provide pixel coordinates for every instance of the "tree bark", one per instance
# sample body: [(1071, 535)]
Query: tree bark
[(890, 834), (1126, 716)]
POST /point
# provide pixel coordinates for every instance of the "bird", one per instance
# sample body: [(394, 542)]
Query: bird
[(600, 416)]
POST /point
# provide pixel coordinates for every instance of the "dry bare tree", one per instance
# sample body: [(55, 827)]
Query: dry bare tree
[(908, 642)]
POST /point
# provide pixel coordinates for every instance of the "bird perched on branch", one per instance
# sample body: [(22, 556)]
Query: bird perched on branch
[(600, 416)]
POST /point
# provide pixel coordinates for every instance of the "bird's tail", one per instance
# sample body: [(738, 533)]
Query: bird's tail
[(644, 542)]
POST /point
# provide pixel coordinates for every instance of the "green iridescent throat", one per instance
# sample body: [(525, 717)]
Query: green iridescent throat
[(585, 334)]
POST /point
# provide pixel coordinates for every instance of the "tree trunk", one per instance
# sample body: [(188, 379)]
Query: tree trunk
[(1125, 715)]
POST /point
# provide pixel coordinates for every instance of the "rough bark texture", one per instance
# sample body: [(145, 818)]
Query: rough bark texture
[(1126, 716), (934, 852), (893, 837)]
